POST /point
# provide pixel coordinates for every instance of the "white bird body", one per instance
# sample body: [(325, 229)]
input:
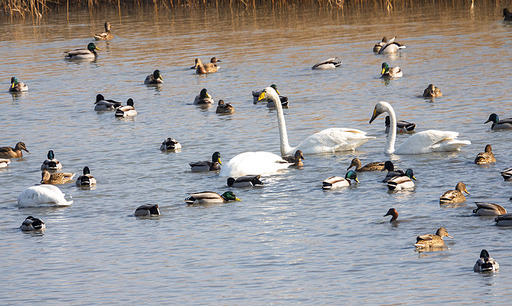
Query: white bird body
[(486, 263), (4, 162), (42, 195), (254, 163)]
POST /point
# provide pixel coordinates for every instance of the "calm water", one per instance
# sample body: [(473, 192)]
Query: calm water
[(288, 242)]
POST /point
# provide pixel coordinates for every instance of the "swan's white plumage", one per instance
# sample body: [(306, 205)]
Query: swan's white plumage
[(42, 195), (254, 163)]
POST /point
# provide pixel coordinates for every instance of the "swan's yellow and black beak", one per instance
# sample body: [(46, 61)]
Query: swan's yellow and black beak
[(375, 115), (262, 96)]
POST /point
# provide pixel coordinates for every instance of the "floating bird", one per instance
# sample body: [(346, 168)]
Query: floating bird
[(486, 157), (56, 178), (392, 172), (170, 144), (17, 86), (507, 15), (402, 181), (103, 105), (86, 179), (330, 63), (89, 53), (245, 181), (486, 263), (504, 220), (270, 103), (391, 72), (206, 68), (393, 213), (387, 46), (147, 210), (4, 162), (454, 196), (432, 92), (209, 197), (296, 159), (8, 152), (498, 124), (203, 98), (507, 174), (224, 108), (488, 209), (337, 181), (126, 111), (154, 79), (42, 195), (201, 166), (51, 163), (251, 163), (107, 35), (32, 224), (401, 126), (421, 142), (432, 241), (375, 166)]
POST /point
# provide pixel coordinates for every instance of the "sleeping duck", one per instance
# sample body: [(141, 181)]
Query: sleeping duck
[(89, 53), (105, 105), (56, 178), (8, 152), (337, 181), (209, 197), (375, 166), (330, 63), (507, 174), (86, 179), (507, 15), (401, 126), (432, 92), (489, 209), (454, 196), (154, 79), (203, 98), (201, 166), (387, 46), (498, 124), (393, 213), (107, 35), (126, 111), (206, 68), (486, 157), (17, 86), (391, 72), (147, 210), (32, 224), (504, 220), (170, 144), (51, 163), (486, 263), (432, 241), (388, 165), (296, 159), (245, 181), (224, 108), (270, 103), (402, 181)]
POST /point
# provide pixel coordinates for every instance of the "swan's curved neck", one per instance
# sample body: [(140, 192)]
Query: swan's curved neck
[(286, 149), (390, 145)]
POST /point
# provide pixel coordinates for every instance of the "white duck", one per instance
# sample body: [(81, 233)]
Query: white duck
[(42, 195), (421, 142)]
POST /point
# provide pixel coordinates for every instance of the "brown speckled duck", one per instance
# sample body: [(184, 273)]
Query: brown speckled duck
[(207, 67), (224, 108), (454, 196), (296, 159), (488, 209), (107, 35), (432, 92), (8, 152), (486, 157), (432, 241), (375, 166), (56, 178)]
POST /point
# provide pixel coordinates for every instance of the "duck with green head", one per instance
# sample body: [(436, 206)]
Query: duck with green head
[(88, 53), (147, 210), (203, 98), (86, 179), (51, 163), (201, 166), (390, 72), (102, 104), (210, 197), (245, 181), (402, 181), (17, 86), (154, 79), (337, 181), (498, 124)]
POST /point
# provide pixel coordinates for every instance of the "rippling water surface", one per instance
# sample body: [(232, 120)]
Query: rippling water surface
[(289, 242)]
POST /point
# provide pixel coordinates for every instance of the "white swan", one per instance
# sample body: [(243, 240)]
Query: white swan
[(326, 141), (254, 163), (419, 143), (42, 195)]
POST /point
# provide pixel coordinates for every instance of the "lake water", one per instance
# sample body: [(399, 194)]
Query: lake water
[(288, 242)]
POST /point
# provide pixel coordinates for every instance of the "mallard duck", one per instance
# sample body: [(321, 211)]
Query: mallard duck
[(245, 181), (387, 46), (201, 166), (486, 157), (206, 68), (498, 124), (454, 196), (486, 263), (375, 166), (103, 105), (432, 92), (51, 163), (126, 111), (270, 103), (154, 79), (86, 179), (42, 195), (489, 209), (32, 224), (170, 144), (203, 98), (402, 181), (507, 174), (330, 63), (388, 165), (393, 213), (337, 181), (391, 72), (224, 108), (147, 210), (432, 241), (209, 197), (507, 15), (89, 53), (56, 178), (8, 152), (4, 162), (401, 126), (296, 159), (17, 86), (107, 35), (504, 220)]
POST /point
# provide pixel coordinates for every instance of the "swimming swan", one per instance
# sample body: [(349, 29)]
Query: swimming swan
[(254, 163), (421, 142), (42, 195)]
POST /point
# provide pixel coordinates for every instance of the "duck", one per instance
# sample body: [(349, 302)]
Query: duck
[(126, 111), (486, 263), (245, 181), (32, 224), (489, 209), (454, 196), (329, 63), (498, 124), (56, 178), (107, 35), (88, 53), (401, 126), (201, 166), (206, 68), (209, 197), (203, 98), (391, 72), (375, 166), (16, 152), (51, 163), (337, 181), (392, 172), (420, 143), (252, 163), (432, 92), (4, 162), (432, 241), (326, 141), (224, 108), (504, 220), (296, 159), (507, 15), (42, 195), (507, 174), (485, 157), (393, 213), (147, 210), (388, 46), (103, 105), (154, 79), (86, 179), (270, 103), (17, 86), (402, 181), (170, 144)]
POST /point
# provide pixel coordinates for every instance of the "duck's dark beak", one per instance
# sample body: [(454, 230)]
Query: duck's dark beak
[(375, 115)]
